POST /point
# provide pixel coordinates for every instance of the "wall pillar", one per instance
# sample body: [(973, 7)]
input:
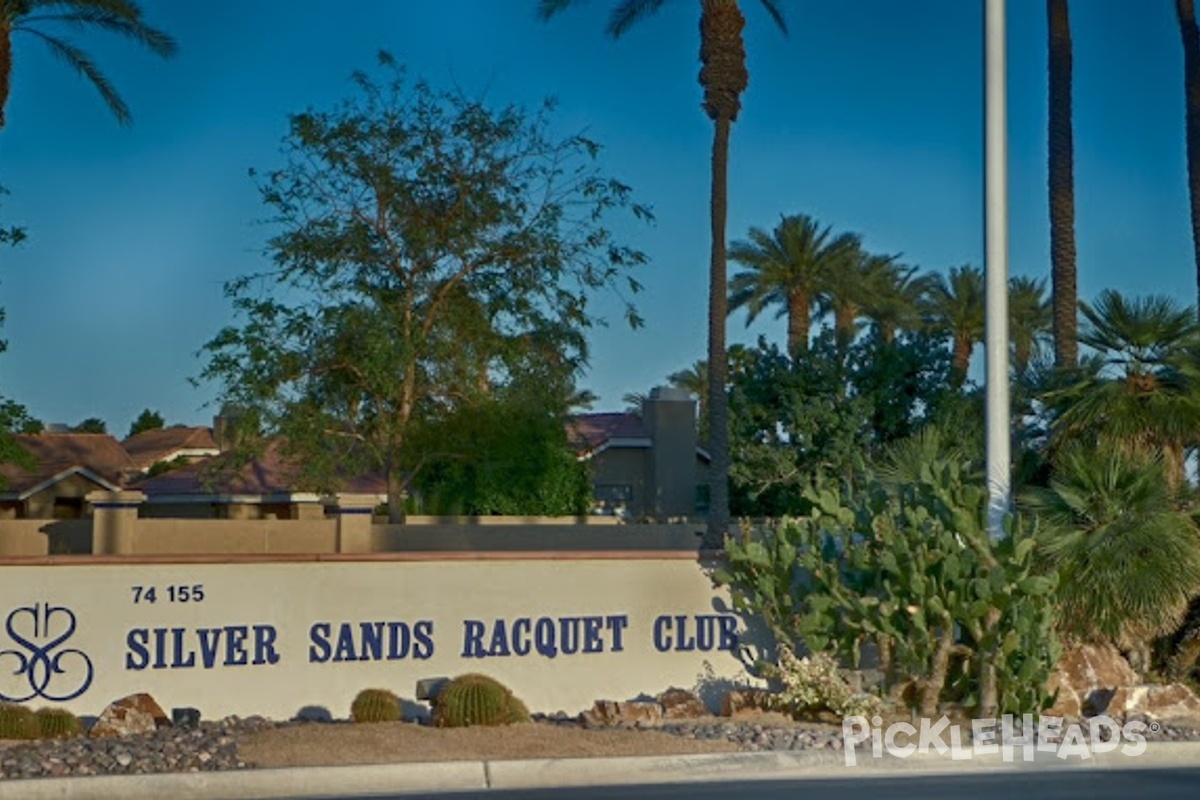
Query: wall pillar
[(114, 521), (353, 515)]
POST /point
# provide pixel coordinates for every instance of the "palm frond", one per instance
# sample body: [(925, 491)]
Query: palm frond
[(127, 24), (82, 64), (776, 13), (628, 13)]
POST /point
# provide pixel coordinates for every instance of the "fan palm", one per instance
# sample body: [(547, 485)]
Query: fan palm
[(1029, 319), (723, 77), (1128, 561), (1062, 186), (787, 268), (123, 17), (954, 306), (1141, 392)]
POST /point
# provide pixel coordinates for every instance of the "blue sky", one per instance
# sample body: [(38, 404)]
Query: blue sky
[(868, 116)]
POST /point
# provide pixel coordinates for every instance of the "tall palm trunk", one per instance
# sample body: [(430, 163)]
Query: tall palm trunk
[(5, 68), (960, 357), (1062, 187), (723, 76), (799, 320), (1185, 10)]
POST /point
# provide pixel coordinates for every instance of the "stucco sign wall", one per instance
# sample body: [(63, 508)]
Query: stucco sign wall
[(275, 638)]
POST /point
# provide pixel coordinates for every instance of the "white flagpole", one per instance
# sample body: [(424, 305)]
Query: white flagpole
[(999, 455)]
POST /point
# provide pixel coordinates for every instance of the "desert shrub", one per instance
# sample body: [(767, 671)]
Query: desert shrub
[(813, 684), (375, 705), (17, 722), (475, 699), (56, 723)]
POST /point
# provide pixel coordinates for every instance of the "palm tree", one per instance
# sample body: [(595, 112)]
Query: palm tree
[(1185, 10), (723, 77), (955, 306), (891, 296), (788, 268), (1029, 319), (1062, 187), (123, 17), (1128, 560), (695, 380), (1141, 391), (845, 288)]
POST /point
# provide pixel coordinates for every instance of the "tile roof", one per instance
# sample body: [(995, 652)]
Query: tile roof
[(57, 453), (588, 432), (271, 473), (150, 447)]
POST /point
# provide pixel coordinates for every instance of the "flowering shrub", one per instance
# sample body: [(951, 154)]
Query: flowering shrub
[(813, 684)]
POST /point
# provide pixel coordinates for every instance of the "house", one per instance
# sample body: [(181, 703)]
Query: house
[(65, 468), (648, 464), (177, 445), (262, 488)]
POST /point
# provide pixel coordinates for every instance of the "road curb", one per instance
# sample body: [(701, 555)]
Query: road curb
[(443, 776)]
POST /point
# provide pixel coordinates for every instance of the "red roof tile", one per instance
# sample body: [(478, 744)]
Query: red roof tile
[(150, 447), (269, 474), (56, 453)]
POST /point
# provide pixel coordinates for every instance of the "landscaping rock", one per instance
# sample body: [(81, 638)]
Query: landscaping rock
[(607, 713), (1087, 677), (681, 704), (137, 713), (1171, 702), (745, 702)]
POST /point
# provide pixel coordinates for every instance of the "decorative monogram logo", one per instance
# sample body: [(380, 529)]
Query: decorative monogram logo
[(39, 632)]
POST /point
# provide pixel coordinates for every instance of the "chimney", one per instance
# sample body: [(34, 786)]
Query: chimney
[(56, 427), (670, 419), (226, 425)]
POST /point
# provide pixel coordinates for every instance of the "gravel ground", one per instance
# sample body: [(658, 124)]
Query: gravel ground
[(214, 745)]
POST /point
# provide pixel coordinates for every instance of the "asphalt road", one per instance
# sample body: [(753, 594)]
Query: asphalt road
[(1092, 784)]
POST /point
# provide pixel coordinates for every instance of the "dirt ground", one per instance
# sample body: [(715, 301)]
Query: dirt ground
[(335, 744)]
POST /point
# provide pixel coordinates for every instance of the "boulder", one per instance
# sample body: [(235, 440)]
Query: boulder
[(1156, 702), (137, 713), (745, 702), (1086, 678), (610, 713), (681, 704)]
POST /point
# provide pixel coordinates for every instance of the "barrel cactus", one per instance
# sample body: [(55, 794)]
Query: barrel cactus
[(56, 723), (375, 705), (474, 699), (17, 722)]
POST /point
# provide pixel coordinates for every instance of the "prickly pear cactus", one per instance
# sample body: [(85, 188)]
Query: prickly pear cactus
[(17, 722), (56, 723), (474, 699), (375, 705)]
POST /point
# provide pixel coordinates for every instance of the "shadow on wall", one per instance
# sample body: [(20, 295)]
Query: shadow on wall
[(68, 537)]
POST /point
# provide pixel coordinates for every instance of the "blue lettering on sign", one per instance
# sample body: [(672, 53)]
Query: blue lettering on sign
[(40, 630), (703, 632), (370, 641), (173, 648), (549, 637)]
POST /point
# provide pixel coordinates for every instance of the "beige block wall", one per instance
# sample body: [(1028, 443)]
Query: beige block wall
[(278, 637), (197, 536)]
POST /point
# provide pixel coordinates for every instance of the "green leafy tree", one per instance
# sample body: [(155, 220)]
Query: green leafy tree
[(723, 78), (146, 421), (954, 307), (1128, 559), (430, 249), (31, 17), (91, 425), (504, 456), (788, 268)]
